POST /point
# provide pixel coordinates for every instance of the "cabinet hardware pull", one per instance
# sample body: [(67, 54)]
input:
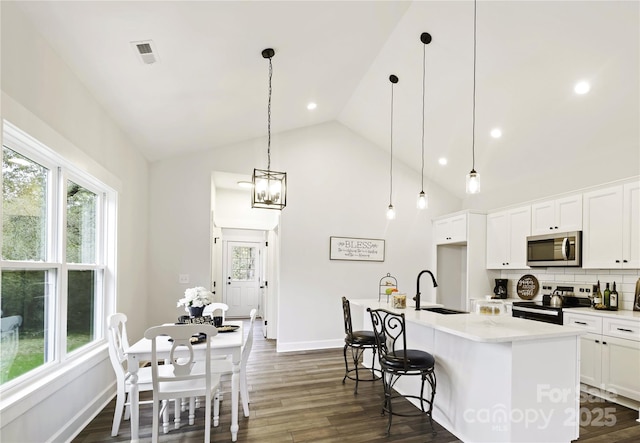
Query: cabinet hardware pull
[(625, 330), (624, 261), (580, 323), (604, 342), (617, 261), (597, 341)]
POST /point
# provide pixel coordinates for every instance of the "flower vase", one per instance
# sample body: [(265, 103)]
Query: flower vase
[(196, 311)]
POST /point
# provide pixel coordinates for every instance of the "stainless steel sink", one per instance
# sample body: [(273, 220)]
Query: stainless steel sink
[(445, 311)]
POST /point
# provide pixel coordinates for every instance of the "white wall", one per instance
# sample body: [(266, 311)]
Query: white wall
[(43, 97), (338, 185), (233, 208)]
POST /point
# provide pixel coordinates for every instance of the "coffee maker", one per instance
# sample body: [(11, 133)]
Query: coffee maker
[(500, 289)]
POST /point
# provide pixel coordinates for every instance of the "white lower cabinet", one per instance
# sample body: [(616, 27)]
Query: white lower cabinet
[(609, 354)]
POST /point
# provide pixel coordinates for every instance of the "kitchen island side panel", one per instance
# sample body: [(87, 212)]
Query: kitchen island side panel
[(546, 390), (471, 378)]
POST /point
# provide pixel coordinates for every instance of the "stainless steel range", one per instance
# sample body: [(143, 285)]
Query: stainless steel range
[(556, 296)]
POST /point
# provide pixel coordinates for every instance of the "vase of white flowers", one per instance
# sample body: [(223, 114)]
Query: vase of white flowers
[(195, 299)]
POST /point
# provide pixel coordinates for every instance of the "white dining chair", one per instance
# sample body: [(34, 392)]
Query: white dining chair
[(118, 343), (210, 310), (225, 367), (186, 376)]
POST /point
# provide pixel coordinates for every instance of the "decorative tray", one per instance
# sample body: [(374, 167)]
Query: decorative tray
[(227, 328), (527, 287)]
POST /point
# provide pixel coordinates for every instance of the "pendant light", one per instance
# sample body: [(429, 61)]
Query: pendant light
[(391, 212), (425, 38), (473, 178), (269, 187)]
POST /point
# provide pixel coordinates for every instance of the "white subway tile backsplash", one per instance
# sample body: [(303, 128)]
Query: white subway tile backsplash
[(625, 280), (628, 272), (592, 271)]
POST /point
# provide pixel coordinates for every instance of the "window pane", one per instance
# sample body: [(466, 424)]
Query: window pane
[(81, 224), (24, 216), (243, 263), (24, 322), (80, 308)]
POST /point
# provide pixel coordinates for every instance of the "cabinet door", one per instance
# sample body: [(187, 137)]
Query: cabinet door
[(497, 225), (450, 230), (543, 218), (590, 359), (602, 236), (519, 229), (631, 226), (569, 213), (441, 231), (621, 366), (459, 228)]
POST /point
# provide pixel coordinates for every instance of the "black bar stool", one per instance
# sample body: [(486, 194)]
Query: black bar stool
[(357, 341), (397, 361)]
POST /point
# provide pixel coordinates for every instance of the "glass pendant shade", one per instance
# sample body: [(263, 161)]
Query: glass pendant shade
[(391, 213), (269, 189), (473, 182), (422, 200)]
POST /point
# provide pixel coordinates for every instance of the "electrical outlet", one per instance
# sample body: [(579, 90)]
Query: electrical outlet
[(183, 278)]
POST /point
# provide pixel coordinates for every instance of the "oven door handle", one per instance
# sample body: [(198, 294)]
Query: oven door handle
[(536, 311)]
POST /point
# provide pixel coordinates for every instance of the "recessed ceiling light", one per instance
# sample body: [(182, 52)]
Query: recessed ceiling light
[(442, 161), (582, 87), (496, 133), (245, 184), (311, 106)]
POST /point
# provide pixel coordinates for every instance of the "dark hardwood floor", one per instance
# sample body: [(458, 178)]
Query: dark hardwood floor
[(299, 397)]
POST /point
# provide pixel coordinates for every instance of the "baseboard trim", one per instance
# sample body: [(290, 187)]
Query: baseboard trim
[(82, 419), (309, 345)]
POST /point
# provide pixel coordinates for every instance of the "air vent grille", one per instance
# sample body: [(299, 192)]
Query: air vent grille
[(144, 48), (146, 51)]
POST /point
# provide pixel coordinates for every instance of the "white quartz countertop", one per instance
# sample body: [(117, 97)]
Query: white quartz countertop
[(620, 314), (476, 327)]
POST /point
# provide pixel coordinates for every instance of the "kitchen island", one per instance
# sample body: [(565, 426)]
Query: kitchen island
[(499, 378)]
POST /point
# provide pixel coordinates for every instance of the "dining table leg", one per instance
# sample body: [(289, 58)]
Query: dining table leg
[(134, 398), (235, 389)]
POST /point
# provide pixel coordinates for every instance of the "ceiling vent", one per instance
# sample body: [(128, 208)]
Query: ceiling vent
[(146, 51)]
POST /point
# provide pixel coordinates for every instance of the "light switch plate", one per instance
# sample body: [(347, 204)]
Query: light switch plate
[(183, 278)]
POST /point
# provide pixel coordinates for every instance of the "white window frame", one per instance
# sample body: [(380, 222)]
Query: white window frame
[(60, 171)]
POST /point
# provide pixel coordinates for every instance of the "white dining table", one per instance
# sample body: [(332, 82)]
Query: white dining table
[(222, 344)]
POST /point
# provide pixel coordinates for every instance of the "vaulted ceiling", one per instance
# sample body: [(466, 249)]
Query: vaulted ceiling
[(209, 86)]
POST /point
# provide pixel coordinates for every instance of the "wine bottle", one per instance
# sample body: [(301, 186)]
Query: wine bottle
[(613, 298), (597, 300), (606, 300)]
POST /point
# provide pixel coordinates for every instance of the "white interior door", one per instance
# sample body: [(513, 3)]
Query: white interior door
[(243, 277)]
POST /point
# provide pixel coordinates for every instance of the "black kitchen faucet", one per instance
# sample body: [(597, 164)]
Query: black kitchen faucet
[(417, 297)]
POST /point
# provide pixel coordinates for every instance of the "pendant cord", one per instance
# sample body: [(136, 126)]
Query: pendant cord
[(424, 64), (391, 158), (269, 119), (473, 133)]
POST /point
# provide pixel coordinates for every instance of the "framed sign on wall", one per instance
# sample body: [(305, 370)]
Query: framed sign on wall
[(361, 249)]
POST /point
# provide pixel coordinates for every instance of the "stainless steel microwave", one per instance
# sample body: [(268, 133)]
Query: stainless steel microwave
[(558, 249)]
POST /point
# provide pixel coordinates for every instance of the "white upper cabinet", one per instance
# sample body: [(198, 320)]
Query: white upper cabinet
[(560, 215), (507, 233), (450, 230), (611, 237)]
